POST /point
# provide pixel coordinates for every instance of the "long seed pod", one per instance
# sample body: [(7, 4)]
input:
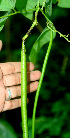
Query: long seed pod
[(24, 91), (40, 82)]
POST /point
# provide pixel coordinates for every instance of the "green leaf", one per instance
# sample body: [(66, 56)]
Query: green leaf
[(21, 4), (41, 2), (48, 7), (31, 4), (1, 27), (28, 15), (53, 125), (2, 20), (57, 107), (39, 125), (26, 6), (39, 43), (7, 5), (66, 135), (6, 130), (64, 3), (30, 8), (54, 1), (67, 97)]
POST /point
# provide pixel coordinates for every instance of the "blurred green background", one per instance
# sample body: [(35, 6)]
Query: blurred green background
[(53, 110)]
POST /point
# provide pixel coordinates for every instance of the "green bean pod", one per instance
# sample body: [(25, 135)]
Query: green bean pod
[(40, 82), (24, 91)]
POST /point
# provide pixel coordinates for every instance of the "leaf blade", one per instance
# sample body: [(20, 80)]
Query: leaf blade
[(21, 4), (2, 20), (30, 5), (64, 3), (48, 7), (39, 43), (6, 5)]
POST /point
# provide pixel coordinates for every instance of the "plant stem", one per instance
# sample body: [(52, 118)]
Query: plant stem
[(51, 27), (33, 24), (40, 83), (10, 14), (27, 34), (16, 12)]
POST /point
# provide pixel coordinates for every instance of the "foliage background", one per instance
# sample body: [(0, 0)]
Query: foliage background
[(52, 117)]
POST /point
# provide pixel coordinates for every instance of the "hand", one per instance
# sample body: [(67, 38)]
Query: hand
[(10, 78), (0, 45)]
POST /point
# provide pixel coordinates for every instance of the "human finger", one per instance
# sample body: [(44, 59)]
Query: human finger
[(2, 95), (15, 79), (12, 104), (0, 73), (12, 79), (14, 67), (31, 87), (16, 90), (0, 45), (33, 75)]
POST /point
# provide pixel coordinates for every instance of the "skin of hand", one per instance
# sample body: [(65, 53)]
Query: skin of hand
[(0, 45), (10, 78)]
